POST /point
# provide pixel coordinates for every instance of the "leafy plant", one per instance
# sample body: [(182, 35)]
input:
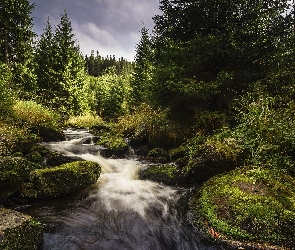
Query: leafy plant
[(152, 125), (34, 116), (85, 121)]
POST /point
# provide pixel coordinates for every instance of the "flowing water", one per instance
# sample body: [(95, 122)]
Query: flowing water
[(118, 212)]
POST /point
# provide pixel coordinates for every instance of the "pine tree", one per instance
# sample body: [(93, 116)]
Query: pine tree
[(16, 44), (16, 30), (142, 69), (62, 74)]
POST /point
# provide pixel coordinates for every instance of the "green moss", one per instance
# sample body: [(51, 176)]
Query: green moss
[(13, 171), (19, 231), (61, 180), (167, 174), (113, 142), (249, 204)]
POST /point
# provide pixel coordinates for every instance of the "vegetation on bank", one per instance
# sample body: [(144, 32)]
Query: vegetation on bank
[(248, 204)]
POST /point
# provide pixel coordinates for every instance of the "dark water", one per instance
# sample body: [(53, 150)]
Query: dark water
[(118, 212)]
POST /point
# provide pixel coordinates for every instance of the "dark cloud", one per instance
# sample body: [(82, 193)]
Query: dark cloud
[(110, 26)]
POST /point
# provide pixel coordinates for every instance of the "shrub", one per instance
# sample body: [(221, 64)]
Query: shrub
[(152, 125), (5, 92), (11, 137), (61, 180), (266, 130), (85, 121), (34, 116)]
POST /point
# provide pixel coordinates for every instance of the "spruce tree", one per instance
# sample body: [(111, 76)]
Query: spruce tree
[(16, 44)]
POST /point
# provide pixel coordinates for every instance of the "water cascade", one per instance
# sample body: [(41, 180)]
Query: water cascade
[(118, 212)]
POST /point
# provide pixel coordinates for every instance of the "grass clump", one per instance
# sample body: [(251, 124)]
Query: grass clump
[(249, 204), (85, 121), (34, 116), (151, 125)]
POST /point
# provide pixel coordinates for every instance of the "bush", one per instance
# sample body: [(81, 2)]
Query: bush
[(11, 137), (85, 121), (266, 131), (248, 204), (152, 125), (5, 92), (35, 117), (61, 180)]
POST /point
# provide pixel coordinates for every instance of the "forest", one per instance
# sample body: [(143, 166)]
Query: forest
[(211, 89)]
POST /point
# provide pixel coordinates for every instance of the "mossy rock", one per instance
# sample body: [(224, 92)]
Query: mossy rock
[(210, 160), (158, 155), (19, 231), (115, 146), (61, 180), (167, 174), (250, 204), (13, 172)]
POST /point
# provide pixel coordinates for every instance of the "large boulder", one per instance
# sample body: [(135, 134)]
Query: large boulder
[(19, 231), (250, 204), (167, 174), (60, 180)]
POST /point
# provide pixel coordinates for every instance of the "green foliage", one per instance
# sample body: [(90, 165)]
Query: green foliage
[(167, 174), (20, 231), (16, 31), (61, 180), (111, 94), (5, 91), (252, 203), (114, 143), (10, 138), (85, 121), (61, 76), (152, 125), (34, 116), (266, 131), (13, 171)]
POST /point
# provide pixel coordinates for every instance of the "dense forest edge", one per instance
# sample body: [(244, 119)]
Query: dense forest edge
[(209, 100)]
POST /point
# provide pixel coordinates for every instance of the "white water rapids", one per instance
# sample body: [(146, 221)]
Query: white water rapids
[(118, 212)]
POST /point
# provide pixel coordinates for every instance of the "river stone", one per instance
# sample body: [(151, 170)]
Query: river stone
[(19, 231), (61, 180)]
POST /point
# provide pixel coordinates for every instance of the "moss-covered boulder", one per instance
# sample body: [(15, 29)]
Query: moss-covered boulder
[(114, 146), (158, 155), (13, 172), (60, 180), (250, 204), (212, 158), (167, 174), (19, 231)]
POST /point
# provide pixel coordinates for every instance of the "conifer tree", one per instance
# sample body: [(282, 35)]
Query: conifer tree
[(63, 84), (16, 44)]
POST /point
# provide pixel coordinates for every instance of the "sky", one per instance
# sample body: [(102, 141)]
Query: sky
[(110, 26)]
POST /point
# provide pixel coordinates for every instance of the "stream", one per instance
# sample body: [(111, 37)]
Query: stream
[(119, 212)]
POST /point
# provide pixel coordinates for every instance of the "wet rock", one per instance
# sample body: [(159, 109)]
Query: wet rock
[(60, 180), (19, 231), (166, 174)]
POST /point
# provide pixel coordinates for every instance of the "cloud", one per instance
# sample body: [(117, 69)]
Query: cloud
[(110, 26)]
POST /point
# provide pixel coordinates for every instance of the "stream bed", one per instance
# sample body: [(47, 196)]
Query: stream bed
[(119, 212)]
